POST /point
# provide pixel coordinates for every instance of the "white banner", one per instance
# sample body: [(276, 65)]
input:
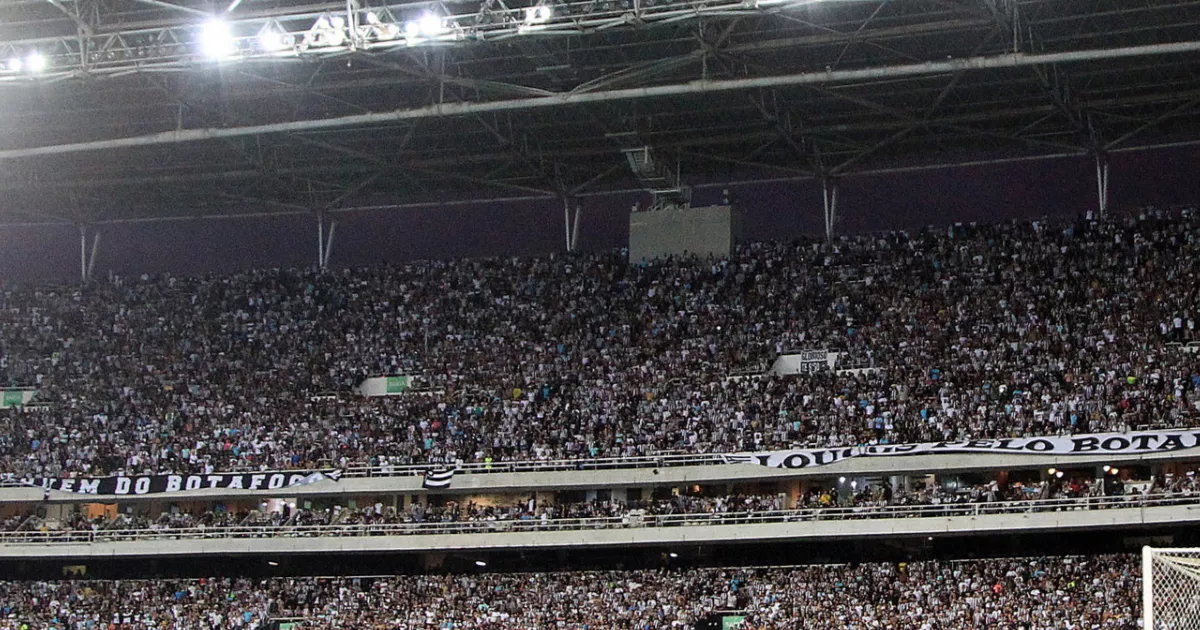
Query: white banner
[(804, 362), (1092, 444)]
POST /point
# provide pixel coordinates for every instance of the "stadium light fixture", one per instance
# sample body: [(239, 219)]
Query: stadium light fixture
[(35, 62), (274, 39), (15, 64), (216, 40), (329, 31), (480, 563), (382, 25), (673, 554), (841, 480), (388, 31), (337, 31), (539, 14), (1107, 468), (431, 25), (1059, 474), (1051, 471)]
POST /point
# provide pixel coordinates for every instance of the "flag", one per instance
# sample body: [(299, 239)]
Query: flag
[(437, 478), (332, 475)]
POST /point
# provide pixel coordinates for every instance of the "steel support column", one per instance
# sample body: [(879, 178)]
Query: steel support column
[(829, 196), (1102, 183), (91, 266), (575, 228), (329, 244), (321, 241), (324, 241), (82, 253), (567, 221)]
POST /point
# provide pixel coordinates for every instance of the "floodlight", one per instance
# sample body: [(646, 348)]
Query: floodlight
[(35, 62), (1058, 474), (674, 555), (537, 15), (372, 18), (15, 64), (1051, 471), (841, 480), (1107, 468), (431, 25), (272, 39), (216, 40), (388, 31), (480, 563), (412, 29)]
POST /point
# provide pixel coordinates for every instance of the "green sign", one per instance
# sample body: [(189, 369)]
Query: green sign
[(289, 626), (13, 398), (398, 384), (730, 622)]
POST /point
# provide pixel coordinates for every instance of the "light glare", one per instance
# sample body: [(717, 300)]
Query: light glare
[(216, 40), (431, 25), (35, 62), (537, 15), (272, 40)]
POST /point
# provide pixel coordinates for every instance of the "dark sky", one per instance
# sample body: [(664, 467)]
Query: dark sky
[(773, 210)]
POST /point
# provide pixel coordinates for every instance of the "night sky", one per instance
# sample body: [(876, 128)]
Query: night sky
[(773, 210)]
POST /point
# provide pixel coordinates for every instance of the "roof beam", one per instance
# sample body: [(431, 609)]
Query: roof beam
[(167, 5), (566, 99)]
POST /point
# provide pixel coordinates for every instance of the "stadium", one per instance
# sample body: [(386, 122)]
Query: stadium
[(629, 314)]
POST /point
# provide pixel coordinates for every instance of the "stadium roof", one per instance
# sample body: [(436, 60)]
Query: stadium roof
[(116, 109)]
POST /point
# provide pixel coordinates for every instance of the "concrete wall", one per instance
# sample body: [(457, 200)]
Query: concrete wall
[(708, 231)]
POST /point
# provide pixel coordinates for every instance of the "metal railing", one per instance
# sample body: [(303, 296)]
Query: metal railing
[(551, 465), (633, 520)]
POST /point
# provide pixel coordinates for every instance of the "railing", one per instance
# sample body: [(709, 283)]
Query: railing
[(551, 465), (622, 522)]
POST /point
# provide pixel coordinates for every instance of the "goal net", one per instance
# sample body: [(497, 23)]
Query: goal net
[(1170, 589)]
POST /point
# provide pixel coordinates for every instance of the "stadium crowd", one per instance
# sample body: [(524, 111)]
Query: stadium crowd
[(1052, 593), (1032, 328)]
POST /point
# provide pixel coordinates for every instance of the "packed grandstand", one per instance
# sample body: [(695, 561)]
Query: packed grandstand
[(1019, 329), (1038, 328), (706, 422), (1054, 593)]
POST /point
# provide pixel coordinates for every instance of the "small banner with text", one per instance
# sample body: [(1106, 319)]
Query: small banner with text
[(165, 484), (1136, 443)]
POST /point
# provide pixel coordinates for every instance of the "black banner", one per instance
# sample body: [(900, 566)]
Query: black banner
[(161, 484)]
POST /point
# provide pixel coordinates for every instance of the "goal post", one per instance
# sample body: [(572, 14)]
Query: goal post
[(1170, 588)]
